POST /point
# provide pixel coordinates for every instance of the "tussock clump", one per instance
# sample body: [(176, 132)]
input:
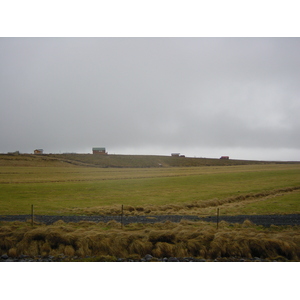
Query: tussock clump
[(12, 252), (257, 248), (181, 250), (86, 223), (114, 224), (101, 224), (37, 234), (59, 223), (271, 248), (165, 225), (223, 224), (246, 244), (223, 246), (163, 249), (195, 248), (6, 242), (32, 248), (119, 246), (129, 208), (157, 236), (140, 247), (69, 250), (45, 249), (248, 223), (139, 208), (55, 238), (114, 211), (90, 243), (185, 222), (152, 208), (82, 247), (5, 229)]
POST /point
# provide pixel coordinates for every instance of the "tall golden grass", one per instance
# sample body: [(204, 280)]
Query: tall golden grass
[(184, 239)]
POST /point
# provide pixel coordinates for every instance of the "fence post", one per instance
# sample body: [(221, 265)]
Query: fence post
[(122, 217), (218, 218), (31, 214)]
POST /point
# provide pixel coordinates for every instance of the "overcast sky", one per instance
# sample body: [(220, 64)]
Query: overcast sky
[(202, 97)]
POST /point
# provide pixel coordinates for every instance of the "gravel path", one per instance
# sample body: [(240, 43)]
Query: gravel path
[(264, 220)]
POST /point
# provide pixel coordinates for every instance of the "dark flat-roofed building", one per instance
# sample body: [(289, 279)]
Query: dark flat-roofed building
[(99, 150)]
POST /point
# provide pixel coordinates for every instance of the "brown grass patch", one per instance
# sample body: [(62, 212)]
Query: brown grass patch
[(163, 249), (185, 239)]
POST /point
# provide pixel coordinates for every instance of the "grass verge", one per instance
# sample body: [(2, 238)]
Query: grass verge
[(76, 241)]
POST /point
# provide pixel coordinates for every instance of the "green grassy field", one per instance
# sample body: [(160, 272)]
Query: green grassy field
[(75, 184), (86, 185)]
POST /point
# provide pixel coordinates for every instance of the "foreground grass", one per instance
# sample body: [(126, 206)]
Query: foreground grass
[(73, 185), (184, 239), (192, 190)]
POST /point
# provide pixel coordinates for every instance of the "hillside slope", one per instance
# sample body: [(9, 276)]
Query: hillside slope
[(143, 161), (117, 161), (148, 161)]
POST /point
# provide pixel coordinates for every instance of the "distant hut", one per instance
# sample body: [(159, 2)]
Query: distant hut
[(38, 151), (14, 153), (224, 157), (175, 154), (99, 150)]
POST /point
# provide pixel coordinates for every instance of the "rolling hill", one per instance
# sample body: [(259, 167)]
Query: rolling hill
[(118, 161)]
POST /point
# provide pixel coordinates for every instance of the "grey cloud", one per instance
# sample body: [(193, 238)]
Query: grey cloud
[(150, 94)]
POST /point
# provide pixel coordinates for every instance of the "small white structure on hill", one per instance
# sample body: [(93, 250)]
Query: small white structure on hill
[(38, 151)]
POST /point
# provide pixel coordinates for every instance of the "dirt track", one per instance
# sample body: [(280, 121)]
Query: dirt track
[(264, 220)]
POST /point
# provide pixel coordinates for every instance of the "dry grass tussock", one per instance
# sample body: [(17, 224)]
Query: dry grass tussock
[(184, 239), (194, 207)]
